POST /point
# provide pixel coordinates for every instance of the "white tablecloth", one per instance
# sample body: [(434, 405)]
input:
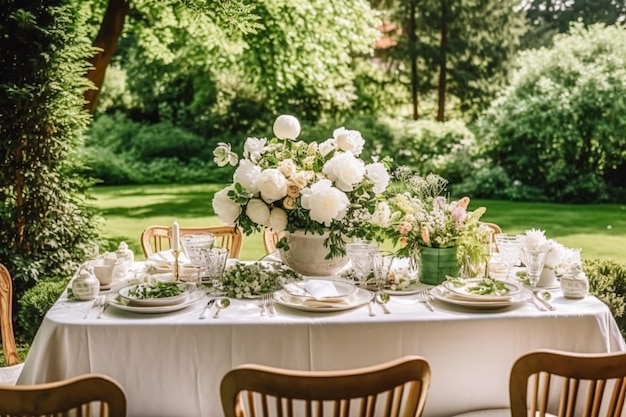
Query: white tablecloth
[(172, 364)]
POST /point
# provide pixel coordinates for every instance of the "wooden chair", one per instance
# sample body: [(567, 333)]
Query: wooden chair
[(553, 383), (270, 239), (496, 229), (157, 238), (81, 396), (397, 388), (13, 368)]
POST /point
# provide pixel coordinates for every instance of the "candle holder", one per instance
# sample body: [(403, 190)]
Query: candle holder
[(176, 271)]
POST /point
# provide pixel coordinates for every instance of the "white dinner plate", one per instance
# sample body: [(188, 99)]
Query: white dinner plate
[(156, 302), (442, 294), (360, 297), (321, 289), (192, 299), (464, 290)]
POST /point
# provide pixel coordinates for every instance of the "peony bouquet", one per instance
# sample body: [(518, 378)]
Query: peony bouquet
[(288, 184)]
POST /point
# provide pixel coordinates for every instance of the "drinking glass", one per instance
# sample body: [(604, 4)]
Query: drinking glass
[(197, 247), (509, 247), (214, 268), (382, 262), (361, 256), (534, 260)]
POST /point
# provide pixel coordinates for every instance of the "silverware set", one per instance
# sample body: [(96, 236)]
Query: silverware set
[(424, 296), (101, 302), (267, 305)]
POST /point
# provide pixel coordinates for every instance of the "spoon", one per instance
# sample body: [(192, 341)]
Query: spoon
[(382, 298), (221, 304), (545, 295)]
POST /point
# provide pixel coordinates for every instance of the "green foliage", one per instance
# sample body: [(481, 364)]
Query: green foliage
[(36, 302), (46, 222), (559, 126), (607, 281)]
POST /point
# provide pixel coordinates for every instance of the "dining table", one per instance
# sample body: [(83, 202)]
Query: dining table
[(171, 361)]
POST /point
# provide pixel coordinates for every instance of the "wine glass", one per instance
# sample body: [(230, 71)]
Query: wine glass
[(509, 247), (361, 256), (534, 260), (197, 247)]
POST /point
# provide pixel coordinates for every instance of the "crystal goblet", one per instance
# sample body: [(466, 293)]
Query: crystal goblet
[(381, 264), (509, 247), (534, 260), (197, 247), (361, 257)]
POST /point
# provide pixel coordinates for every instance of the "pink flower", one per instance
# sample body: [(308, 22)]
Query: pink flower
[(405, 227), (458, 215), (425, 236)]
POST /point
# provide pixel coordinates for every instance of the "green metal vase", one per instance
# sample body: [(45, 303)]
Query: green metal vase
[(436, 263)]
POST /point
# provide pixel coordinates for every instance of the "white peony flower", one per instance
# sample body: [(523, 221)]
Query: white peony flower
[(224, 156), (278, 219), (326, 147), (325, 202), (379, 176), (382, 215), (226, 209), (247, 174), (253, 148), (554, 255), (286, 127), (272, 184), (349, 140), (345, 170), (534, 238), (258, 211)]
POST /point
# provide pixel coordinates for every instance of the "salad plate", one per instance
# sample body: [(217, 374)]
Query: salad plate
[(482, 290), (441, 293), (121, 304), (156, 294), (359, 298)]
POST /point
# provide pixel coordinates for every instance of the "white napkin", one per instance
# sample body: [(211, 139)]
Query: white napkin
[(165, 260), (316, 293)]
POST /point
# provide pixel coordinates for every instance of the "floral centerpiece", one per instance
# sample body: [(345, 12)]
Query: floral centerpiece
[(423, 219), (287, 184)]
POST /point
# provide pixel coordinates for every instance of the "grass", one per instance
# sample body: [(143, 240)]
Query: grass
[(598, 229)]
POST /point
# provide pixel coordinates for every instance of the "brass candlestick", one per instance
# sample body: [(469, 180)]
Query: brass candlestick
[(176, 273)]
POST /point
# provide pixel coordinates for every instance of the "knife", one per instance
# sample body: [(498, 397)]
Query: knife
[(205, 312), (543, 302)]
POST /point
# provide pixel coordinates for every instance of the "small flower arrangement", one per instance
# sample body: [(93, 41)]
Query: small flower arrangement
[(424, 217), (288, 184), (247, 280), (560, 258)]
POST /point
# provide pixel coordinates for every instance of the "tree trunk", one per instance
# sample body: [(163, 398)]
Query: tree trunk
[(443, 46), (106, 41), (413, 57)]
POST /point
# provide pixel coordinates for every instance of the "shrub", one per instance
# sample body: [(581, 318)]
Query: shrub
[(36, 302), (607, 281), (559, 126)]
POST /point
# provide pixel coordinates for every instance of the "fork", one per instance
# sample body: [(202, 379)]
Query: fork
[(271, 307), (424, 297), (261, 304), (104, 305), (96, 303)]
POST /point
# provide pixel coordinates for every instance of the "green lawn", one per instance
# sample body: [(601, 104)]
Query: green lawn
[(599, 230)]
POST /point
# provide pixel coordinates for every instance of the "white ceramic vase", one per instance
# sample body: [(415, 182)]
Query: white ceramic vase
[(307, 254)]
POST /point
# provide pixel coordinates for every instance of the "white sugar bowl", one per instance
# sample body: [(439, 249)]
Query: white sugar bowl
[(85, 286), (574, 282)]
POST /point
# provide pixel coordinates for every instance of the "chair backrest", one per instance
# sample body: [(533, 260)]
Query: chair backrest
[(6, 318), (568, 384), (157, 238), (393, 389), (496, 229), (81, 396), (270, 239)]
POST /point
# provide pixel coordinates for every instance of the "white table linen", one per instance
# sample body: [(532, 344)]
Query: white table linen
[(171, 364)]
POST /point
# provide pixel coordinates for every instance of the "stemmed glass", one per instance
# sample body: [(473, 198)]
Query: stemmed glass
[(382, 262), (509, 247), (361, 257), (534, 260)]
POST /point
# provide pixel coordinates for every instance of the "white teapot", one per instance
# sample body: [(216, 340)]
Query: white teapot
[(85, 286)]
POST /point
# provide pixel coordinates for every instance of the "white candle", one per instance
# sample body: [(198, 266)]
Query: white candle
[(175, 237)]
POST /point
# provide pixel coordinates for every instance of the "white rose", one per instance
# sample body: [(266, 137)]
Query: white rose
[(325, 202), (253, 148), (226, 209), (379, 176), (278, 219), (345, 170), (272, 185), (326, 147), (247, 174), (286, 127), (349, 140), (287, 167), (258, 211)]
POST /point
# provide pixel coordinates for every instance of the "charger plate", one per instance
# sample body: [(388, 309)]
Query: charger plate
[(192, 299), (359, 298), (442, 294)]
